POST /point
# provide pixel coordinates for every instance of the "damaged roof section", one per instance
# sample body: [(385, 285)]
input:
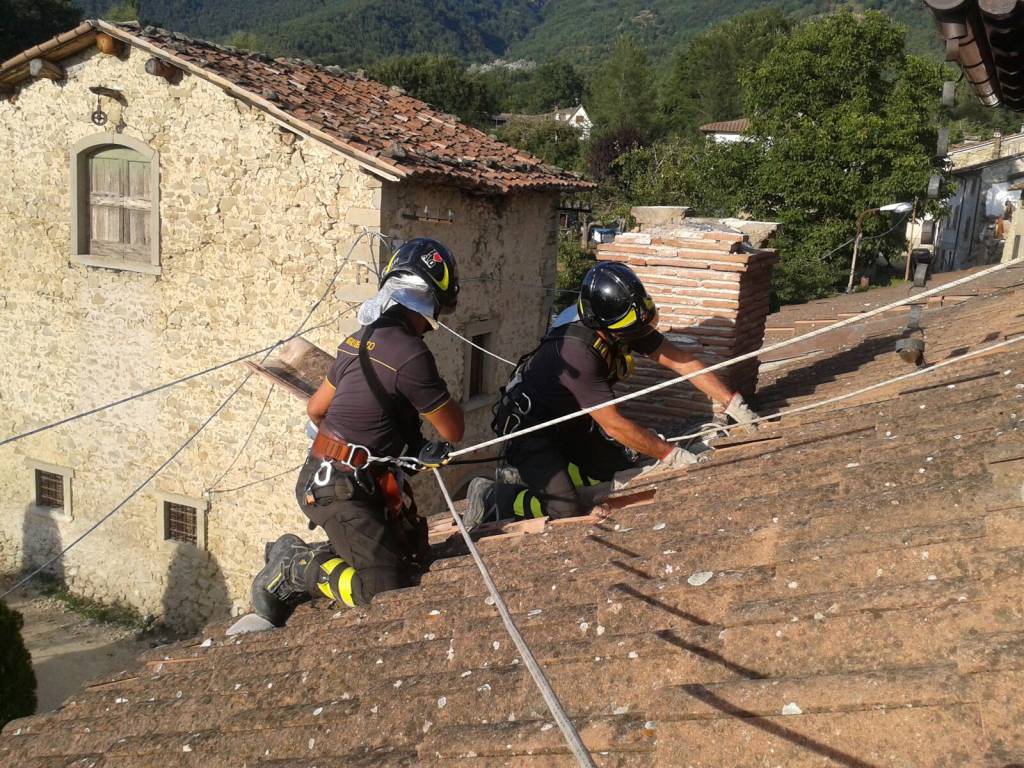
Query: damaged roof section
[(842, 587), (382, 127)]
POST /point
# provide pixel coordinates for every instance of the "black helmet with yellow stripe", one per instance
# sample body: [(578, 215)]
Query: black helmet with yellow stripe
[(613, 300), (431, 261)]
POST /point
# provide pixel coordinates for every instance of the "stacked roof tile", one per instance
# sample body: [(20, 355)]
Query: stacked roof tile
[(395, 133), (842, 588)]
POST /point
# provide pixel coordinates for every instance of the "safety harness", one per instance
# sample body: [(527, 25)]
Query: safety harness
[(518, 408), (399, 503)]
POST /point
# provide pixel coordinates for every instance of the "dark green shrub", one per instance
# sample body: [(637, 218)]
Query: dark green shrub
[(17, 680)]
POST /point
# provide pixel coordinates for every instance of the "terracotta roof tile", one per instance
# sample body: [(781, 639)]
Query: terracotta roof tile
[(844, 585), (359, 113)]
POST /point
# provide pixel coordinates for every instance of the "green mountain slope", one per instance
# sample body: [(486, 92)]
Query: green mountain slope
[(360, 32), (585, 31)]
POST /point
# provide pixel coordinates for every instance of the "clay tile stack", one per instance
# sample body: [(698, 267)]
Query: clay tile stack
[(713, 292)]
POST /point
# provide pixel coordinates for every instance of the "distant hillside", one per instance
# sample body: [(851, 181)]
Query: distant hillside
[(585, 31), (360, 32)]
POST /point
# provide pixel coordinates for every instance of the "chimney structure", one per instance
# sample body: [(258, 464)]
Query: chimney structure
[(711, 280)]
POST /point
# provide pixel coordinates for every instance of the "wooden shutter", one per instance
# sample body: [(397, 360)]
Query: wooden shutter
[(119, 205)]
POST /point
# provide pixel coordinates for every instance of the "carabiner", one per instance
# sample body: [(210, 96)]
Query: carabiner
[(323, 474)]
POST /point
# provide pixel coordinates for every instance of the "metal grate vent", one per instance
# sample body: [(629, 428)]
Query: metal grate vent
[(49, 489), (181, 522)]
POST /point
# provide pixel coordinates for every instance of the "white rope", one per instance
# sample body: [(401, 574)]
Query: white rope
[(569, 731), (726, 363), (474, 344), (855, 393)]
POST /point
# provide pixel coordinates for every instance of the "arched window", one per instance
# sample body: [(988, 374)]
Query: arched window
[(115, 185)]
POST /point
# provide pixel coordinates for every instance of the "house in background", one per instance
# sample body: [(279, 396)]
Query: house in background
[(726, 131), (171, 204), (978, 230), (576, 116)]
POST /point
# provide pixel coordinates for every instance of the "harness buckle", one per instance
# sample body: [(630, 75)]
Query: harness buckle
[(353, 455)]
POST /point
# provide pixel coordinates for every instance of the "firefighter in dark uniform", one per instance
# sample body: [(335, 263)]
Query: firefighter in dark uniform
[(383, 380), (575, 367)]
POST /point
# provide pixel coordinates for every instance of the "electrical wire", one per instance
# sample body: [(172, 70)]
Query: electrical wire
[(473, 344), (161, 387), (177, 452), (855, 393), (245, 444), (283, 472)]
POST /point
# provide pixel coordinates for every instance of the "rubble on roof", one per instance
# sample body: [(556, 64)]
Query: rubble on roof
[(844, 587)]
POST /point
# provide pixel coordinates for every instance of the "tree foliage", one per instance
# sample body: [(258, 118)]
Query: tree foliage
[(24, 23), (441, 81), (124, 11), (622, 95), (573, 263), (703, 83), (847, 121), (843, 119), (553, 142), (17, 680)]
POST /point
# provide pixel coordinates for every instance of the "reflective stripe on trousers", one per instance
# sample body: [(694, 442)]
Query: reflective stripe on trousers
[(335, 582), (527, 500)]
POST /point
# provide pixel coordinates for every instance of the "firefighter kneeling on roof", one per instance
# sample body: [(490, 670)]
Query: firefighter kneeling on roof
[(587, 351), (383, 380)]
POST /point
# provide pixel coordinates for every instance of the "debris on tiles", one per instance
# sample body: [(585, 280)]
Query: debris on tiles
[(700, 578)]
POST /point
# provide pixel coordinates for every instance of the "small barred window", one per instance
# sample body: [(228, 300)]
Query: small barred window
[(49, 489), (180, 522)]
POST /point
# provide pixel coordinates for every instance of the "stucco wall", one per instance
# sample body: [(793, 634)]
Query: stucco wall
[(254, 222)]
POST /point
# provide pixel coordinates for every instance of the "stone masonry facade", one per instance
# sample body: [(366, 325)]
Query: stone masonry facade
[(712, 289), (254, 221)]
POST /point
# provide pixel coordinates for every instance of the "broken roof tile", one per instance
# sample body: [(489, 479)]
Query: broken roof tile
[(437, 146)]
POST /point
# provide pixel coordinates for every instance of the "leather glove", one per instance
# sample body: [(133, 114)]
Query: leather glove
[(677, 458), (741, 413)]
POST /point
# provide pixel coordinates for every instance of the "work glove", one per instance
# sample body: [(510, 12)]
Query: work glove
[(741, 413), (311, 429), (677, 458), (434, 454)]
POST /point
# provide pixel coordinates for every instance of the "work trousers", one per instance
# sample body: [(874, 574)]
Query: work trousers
[(554, 467), (356, 524)]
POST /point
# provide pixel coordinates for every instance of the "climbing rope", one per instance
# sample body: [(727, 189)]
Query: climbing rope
[(714, 429), (569, 731), (738, 359)]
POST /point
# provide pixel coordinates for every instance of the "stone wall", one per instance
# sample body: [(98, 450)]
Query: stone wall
[(712, 297), (255, 220), (506, 250)]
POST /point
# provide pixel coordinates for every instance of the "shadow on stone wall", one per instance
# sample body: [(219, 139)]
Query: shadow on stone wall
[(196, 591), (40, 540)]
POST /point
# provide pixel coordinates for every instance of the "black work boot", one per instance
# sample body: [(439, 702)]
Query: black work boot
[(281, 586), (480, 497)]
